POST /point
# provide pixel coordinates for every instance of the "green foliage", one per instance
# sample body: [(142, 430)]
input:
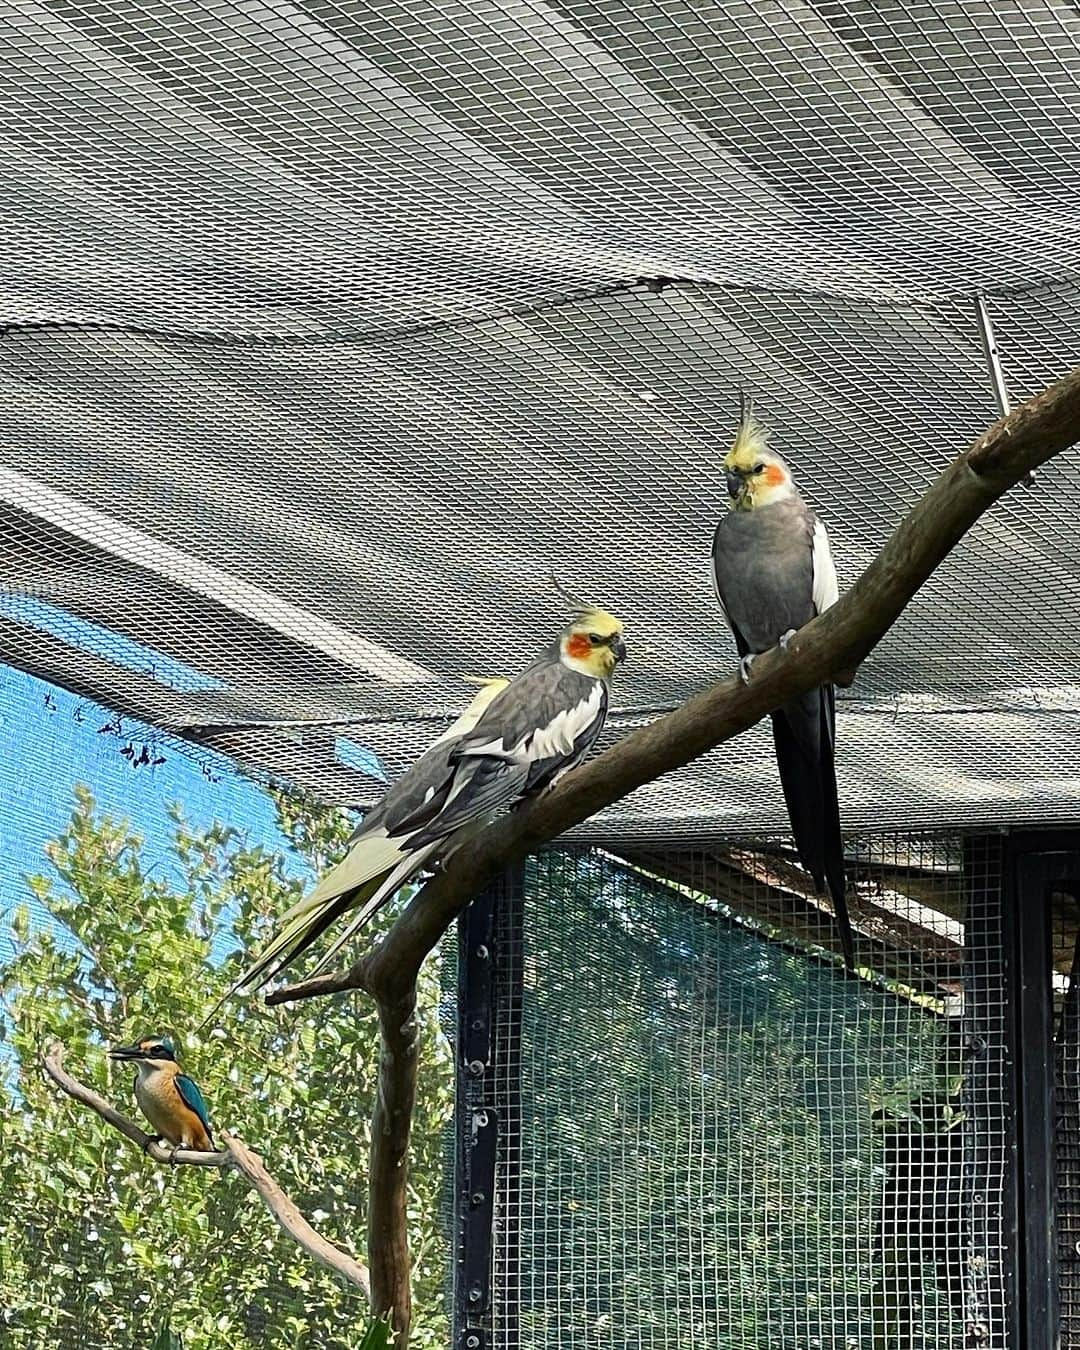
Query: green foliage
[(378, 1337), (101, 1247), (699, 1163)]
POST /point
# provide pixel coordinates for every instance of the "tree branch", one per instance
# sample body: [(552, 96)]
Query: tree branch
[(388, 1173), (838, 640), (289, 1219), (831, 647), (235, 1157)]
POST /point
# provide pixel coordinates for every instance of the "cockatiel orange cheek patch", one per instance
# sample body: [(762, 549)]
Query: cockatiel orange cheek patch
[(774, 475), (578, 647)]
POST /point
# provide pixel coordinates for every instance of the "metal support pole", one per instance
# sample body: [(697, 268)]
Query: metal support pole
[(993, 364), (1037, 864), (489, 937), (990, 351)]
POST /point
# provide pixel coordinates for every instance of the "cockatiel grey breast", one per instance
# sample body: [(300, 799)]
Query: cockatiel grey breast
[(774, 572)]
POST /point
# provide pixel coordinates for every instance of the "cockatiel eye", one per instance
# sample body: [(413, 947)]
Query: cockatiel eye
[(759, 468), (596, 639)]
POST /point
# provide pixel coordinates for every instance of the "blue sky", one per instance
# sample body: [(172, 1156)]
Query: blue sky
[(53, 740)]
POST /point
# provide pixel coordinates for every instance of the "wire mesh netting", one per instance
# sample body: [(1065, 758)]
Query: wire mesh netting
[(328, 329), (1066, 961), (714, 1135), (325, 342)]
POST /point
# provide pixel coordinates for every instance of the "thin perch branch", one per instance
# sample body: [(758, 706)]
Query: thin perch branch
[(236, 1156), (289, 1219), (831, 647)]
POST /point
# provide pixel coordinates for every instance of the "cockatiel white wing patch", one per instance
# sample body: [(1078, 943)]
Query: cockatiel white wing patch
[(826, 591), (559, 738), (554, 739)]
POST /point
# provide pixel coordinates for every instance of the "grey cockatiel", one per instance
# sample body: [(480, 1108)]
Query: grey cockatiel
[(774, 572), (516, 738)]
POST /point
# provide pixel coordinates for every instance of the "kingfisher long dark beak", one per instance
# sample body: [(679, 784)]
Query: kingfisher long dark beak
[(125, 1052)]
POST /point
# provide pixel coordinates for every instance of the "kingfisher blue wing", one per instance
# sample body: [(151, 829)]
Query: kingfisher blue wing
[(189, 1091)]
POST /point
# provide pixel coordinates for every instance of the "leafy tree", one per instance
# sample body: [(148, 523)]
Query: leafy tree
[(100, 1247)]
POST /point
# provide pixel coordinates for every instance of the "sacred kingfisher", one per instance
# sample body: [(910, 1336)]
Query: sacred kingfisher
[(167, 1097)]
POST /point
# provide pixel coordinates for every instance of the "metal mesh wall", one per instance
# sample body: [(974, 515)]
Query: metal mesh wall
[(1067, 1074), (327, 329), (713, 1135)]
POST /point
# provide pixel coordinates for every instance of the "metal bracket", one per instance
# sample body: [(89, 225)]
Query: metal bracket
[(478, 983), (478, 1212), (478, 1121)]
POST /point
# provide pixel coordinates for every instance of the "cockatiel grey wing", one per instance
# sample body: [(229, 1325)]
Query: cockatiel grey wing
[(539, 730), (524, 735), (379, 853), (763, 569), (550, 726)]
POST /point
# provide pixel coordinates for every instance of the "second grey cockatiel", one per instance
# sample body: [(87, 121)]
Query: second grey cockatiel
[(527, 736), (774, 572)]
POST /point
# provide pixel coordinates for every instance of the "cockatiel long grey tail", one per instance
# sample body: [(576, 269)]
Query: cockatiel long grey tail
[(774, 572), (515, 739), (358, 879)]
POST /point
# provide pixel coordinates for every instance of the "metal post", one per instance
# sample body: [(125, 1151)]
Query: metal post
[(489, 937), (1039, 863), (1028, 977), (990, 351)]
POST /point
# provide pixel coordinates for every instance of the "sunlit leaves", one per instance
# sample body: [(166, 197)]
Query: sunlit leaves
[(95, 1236)]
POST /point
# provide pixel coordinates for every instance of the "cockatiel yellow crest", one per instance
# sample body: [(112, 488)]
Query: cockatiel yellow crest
[(756, 476)]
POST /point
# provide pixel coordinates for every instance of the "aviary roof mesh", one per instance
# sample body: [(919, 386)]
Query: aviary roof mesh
[(327, 342)]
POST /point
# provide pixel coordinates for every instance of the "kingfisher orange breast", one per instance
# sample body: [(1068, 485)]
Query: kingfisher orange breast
[(161, 1104)]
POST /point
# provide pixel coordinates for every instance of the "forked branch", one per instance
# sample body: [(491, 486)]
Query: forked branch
[(837, 641)]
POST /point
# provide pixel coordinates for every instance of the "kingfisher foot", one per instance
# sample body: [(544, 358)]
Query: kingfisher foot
[(785, 638), (744, 666), (172, 1156)]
